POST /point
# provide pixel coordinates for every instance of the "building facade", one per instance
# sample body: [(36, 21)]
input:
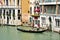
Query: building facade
[(10, 12), (49, 14), (35, 12), (25, 11)]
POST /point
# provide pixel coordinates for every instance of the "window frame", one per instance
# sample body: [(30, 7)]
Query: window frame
[(57, 21)]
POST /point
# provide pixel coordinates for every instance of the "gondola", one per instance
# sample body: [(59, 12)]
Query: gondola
[(30, 31)]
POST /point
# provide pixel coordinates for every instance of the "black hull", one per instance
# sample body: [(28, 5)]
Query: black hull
[(30, 31)]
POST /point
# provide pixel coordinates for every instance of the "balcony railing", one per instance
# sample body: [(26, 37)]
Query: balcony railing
[(35, 15), (4, 6), (49, 0)]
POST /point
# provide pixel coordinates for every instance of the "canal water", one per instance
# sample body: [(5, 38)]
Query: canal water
[(11, 33)]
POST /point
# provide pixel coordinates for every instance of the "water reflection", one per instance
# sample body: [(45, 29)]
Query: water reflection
[(10, 33)]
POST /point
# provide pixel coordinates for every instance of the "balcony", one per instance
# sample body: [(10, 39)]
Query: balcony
[(9, 6), (35, 15)]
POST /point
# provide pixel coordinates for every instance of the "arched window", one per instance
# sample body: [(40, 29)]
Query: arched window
[(4, 13), (14, 14), (19, 14), (10, 13)]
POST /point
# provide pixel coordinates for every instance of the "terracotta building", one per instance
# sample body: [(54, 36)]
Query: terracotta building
[(25, 10)]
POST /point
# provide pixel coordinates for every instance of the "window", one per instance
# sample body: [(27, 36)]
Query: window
[(38, 21), (30, 10), (18, 2), (57, 22), (14, 14), (51, 9), (18, 11), (43, 20), (10, 13), (36, 9), (4, 13), (19, 14), (6, 2), (35, 21), (30, 19), (18, 18)]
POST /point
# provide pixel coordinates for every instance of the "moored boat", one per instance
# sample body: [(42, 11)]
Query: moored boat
[(30, 31)]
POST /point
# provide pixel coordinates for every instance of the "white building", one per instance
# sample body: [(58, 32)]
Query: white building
[(49, 14), (50, 11), (10, 12)]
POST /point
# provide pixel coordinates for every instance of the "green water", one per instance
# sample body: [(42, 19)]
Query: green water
[(10, 33)]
